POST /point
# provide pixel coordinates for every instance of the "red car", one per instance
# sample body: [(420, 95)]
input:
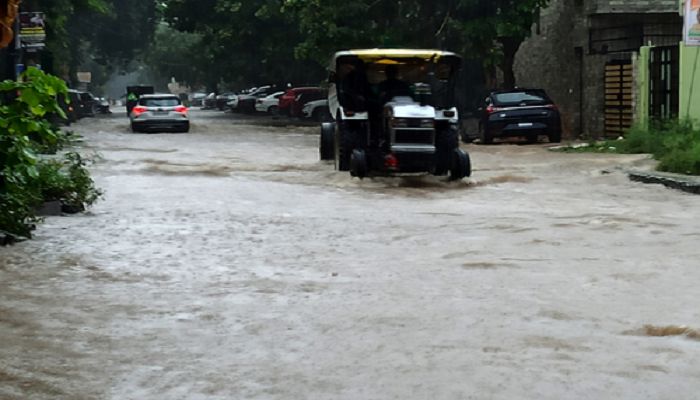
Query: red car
[(293, 100)]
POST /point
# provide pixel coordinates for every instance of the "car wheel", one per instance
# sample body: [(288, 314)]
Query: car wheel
[(358, 164), (321, 115), (531, 138), (134, 129), (555, 137), (273, 110), (344, 145), (460, 165), (186, 129), (485, 135), (326, 145), (445, 142)]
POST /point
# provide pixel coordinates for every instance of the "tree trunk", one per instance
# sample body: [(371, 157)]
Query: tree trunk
[(510, 49)]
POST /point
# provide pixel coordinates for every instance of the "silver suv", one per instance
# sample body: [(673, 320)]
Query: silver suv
[(159, 112)]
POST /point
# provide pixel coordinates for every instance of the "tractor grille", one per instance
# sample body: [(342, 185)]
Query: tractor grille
[(414, 135)]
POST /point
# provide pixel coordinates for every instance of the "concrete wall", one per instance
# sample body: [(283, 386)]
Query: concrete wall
[(557, 60), (632, 6), (550, 61), (562, 60)]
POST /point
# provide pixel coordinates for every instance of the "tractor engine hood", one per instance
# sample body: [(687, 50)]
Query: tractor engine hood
[(407, 108)]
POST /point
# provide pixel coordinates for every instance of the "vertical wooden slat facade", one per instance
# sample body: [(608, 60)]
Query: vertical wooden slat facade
[(619, 87), (665, 81)]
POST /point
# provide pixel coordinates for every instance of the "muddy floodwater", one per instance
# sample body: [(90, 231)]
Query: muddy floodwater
[(229, 263)]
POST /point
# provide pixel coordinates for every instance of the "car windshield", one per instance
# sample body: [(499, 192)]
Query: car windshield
[(523, 97), (162, 102)]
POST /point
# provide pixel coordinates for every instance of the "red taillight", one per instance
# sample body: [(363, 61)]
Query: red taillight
[(138, 110), (181, 109), (391, 162), (491, 109)]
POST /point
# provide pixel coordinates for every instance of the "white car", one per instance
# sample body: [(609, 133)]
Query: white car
[(159, 113), (232, 104), (317, 109), (269, 104)]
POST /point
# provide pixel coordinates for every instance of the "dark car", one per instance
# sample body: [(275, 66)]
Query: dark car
[(293, 100), (520, 112), (68, 104), (87, 107)]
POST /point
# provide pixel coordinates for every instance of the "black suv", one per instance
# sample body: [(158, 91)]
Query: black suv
[(519, 112)]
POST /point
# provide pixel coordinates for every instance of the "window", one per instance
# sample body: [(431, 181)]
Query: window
[(160, 102)]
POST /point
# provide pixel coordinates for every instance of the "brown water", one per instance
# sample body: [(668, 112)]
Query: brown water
[(229, 263)]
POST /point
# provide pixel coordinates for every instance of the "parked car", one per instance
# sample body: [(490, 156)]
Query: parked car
[(293, 100), (233, 103), (519, 112), (209, 102), (246, 102), (269, 104), (159, 112), (103, 105), (196, 99), (317, 110), (87, 106), (223, 99), (67, 103)]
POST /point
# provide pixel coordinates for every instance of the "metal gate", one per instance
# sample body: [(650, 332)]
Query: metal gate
[(619, 81), (664, 71)]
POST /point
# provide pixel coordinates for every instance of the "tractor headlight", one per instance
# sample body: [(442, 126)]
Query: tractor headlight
[(399, 123), (427, 123)]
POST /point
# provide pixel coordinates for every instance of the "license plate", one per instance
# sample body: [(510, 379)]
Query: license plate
[(525, 125), (166, 113)]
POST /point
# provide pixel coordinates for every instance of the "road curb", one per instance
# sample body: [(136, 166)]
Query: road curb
[(689, 184)]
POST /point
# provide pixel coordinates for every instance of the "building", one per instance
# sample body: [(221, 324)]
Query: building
[(589, 56)]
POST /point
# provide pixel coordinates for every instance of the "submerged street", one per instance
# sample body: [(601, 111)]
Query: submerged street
[(229, 263)]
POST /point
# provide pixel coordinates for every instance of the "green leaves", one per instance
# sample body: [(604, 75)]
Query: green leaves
[(25, 132)]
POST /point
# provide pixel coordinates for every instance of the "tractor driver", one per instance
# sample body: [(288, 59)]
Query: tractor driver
[(393, 86)]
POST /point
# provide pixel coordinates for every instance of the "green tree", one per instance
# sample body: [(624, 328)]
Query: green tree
[(109, 33), (489, 30), (495, 29), (243, 42)]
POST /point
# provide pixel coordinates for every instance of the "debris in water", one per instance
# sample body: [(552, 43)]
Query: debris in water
[(664, 331)]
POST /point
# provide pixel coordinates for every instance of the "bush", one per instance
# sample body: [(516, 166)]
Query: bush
[(25, 179), (676, 144)]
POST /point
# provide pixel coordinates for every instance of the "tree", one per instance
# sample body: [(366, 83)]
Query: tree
[(495, 29), (490, 30), (244, 42), (110, 33)]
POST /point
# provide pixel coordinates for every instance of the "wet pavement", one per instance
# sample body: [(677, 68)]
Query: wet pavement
[(229, 263)]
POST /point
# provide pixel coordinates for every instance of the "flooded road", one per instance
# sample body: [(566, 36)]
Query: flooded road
[(229, 263)]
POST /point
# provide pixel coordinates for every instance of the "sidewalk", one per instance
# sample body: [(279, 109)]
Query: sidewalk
[(686, 183)]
